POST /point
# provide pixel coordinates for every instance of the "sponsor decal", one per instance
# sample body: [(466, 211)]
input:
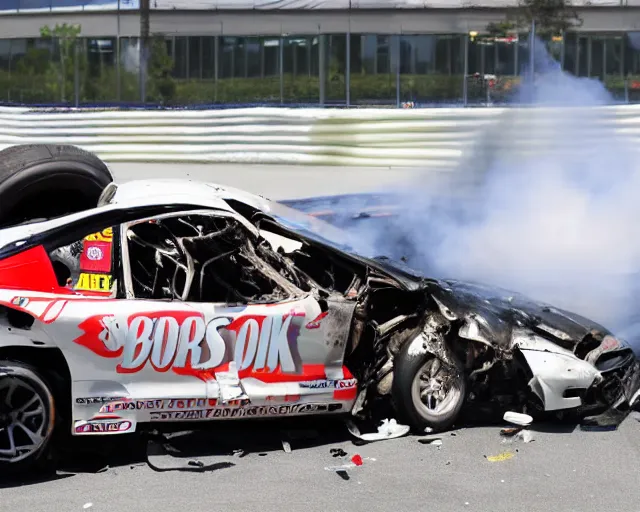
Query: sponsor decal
[(183, 341), (106, 235), (242, 412), (163, 404), (94, 283), (329, 384), (98, 399), (346, 383), (104, 426), (96, 257), (94, 253)]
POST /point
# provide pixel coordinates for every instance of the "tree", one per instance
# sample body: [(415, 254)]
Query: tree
[(66, 37), (551, 17), (145, 13)]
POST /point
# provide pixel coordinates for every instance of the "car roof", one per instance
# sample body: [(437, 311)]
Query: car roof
[(150, 192), (145, 193)]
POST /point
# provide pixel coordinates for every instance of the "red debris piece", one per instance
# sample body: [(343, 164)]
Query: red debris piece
[(357, 460)]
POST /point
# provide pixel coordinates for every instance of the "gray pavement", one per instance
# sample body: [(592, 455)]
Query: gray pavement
[(560, 471), (571, 471)]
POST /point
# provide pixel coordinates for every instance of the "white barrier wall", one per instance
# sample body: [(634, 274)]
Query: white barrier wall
[(428, 138)]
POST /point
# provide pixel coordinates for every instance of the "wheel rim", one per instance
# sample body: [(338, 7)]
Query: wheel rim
[(23, 420), (436, 389)]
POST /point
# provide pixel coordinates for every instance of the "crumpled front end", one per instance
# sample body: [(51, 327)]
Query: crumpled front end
[(568, 363)]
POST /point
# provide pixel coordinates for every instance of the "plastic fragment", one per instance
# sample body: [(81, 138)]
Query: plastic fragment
[(343, 467), (196, 463), (388, 429), (501, 457), (436, 441), (357, 460), (517, 418), (87, 505), (239, 453), (525, 436), (338, 452), (510, 432), (287, 446)]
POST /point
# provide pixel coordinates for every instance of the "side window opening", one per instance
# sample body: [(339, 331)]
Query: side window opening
[(86, 265), (204, 258)]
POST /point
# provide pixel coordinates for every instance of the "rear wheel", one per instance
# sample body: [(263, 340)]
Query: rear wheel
[(44, 181), (27, 418)]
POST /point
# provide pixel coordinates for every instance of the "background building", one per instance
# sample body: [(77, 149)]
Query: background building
[(327, 52)]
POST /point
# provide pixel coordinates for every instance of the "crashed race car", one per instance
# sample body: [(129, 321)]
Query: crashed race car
[(168, 300)]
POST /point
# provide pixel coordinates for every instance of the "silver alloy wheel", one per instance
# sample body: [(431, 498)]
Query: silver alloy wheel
[(436, 389), (26, 421)]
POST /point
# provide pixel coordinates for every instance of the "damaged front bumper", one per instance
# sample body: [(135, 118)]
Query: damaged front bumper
[(606, 380)]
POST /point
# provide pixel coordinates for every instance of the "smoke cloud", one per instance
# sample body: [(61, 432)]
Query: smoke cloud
[(546, 204)]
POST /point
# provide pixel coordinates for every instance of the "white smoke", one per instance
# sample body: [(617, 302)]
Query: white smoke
[(554, 209)]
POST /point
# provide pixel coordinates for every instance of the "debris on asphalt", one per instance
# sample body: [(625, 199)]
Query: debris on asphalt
[(524, 420), (338, 452), (239, 453), (357, 460), (388, 429), (511, 431), (287, 446), (500, 457), (171, 453), (436, 441), (87, 505), (525, 436)]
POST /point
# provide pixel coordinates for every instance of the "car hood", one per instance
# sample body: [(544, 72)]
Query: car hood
[(498, 312)]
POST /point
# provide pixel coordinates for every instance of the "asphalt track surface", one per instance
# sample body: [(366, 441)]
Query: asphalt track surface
[(563, 470)]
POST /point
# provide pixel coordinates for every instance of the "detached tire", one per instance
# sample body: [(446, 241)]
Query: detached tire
[(27, 419), (45, 181), (417, 375)]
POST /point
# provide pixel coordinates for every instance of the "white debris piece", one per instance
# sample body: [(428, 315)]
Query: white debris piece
[(388, 429), (517, 418), (525, 436), (87, 505)]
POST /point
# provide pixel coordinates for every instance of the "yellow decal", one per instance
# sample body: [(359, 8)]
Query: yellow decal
[(94, 283), (106, 235)]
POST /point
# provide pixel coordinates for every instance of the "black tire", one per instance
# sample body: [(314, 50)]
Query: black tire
[(406, 391), (44, 181), (39, 459)]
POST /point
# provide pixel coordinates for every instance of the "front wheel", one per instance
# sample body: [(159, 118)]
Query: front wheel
[(427, 392), (27, 416)]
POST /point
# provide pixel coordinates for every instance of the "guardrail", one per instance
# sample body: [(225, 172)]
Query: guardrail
[(426, 138)]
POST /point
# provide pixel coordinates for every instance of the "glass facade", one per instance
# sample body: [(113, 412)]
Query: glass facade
[(302, 69)]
